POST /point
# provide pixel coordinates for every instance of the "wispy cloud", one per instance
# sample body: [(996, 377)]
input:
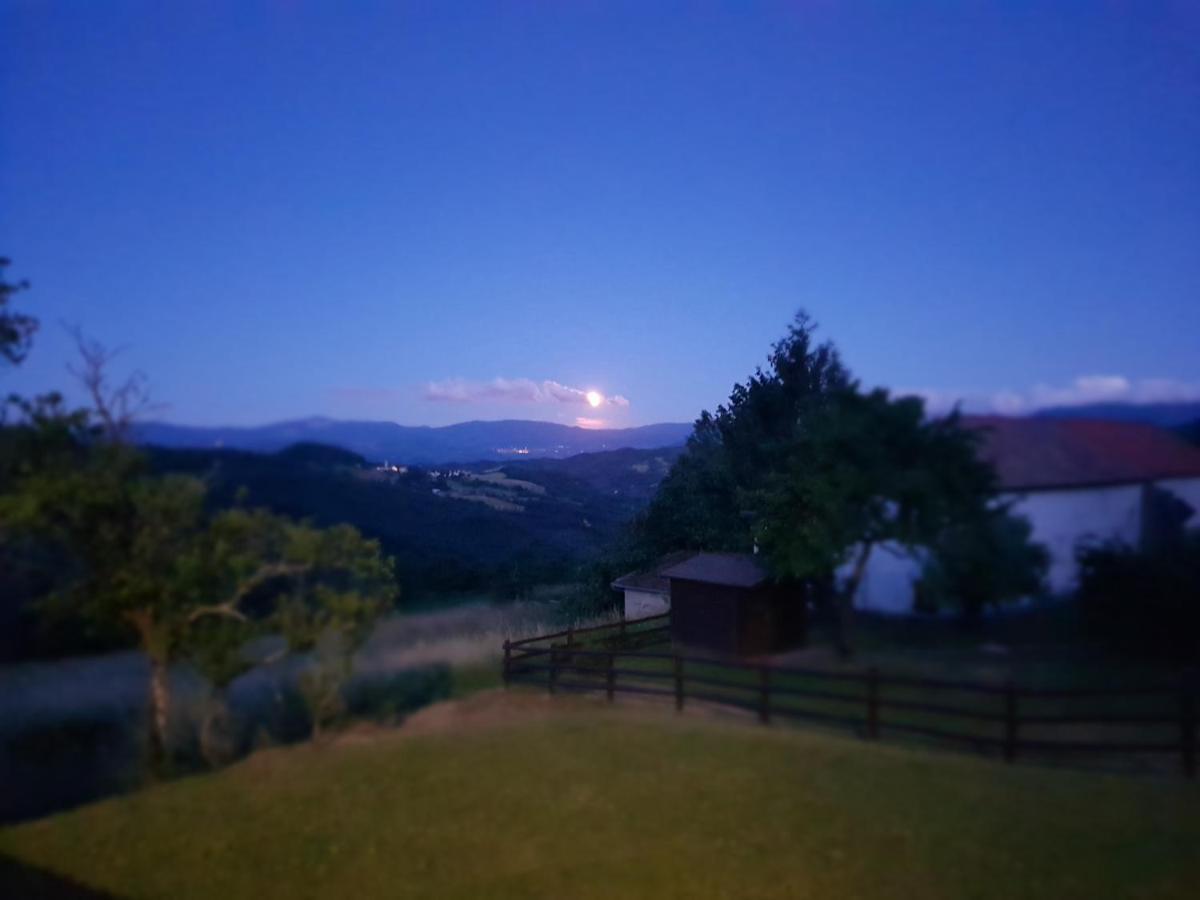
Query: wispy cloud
[(1079, 391), (515, 390)]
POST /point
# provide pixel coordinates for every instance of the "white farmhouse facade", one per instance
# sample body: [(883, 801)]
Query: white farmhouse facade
[(1074, 480)]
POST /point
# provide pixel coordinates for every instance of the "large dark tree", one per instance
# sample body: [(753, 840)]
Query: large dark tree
[(816, 473), (708, 500), (865, 470)]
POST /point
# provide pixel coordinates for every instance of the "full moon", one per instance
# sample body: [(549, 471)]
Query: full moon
[(594, 398)]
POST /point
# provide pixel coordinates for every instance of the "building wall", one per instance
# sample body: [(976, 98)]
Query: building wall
[(1187, 490), (705, 616), (887, 584), (644, 603), (1060, 520), (1063, 519)]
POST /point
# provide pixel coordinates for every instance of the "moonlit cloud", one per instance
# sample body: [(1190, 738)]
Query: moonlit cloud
[(1099, 389), (514, 390), (1081, 391)]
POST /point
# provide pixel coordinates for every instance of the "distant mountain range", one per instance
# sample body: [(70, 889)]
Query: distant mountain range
[(510, 439), (1165, 415), (514, 439)]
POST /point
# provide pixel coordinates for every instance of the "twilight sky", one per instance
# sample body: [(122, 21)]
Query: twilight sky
[(432, 212)]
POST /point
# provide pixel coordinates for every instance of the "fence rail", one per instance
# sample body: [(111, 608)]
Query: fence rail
[(607, 658)]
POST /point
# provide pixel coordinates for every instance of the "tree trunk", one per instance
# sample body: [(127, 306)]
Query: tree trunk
[(218, 742), (153, 638), (845, 602), (160, 709)]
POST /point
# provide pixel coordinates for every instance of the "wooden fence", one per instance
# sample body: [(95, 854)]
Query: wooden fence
[(1003, 719)]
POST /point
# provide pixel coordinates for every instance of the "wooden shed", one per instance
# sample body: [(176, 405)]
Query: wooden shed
[(726, 603)]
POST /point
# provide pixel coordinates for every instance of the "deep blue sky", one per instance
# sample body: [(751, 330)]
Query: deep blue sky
[(291, 208)]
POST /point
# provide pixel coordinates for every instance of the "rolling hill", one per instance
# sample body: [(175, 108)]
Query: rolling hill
[(450, 529)]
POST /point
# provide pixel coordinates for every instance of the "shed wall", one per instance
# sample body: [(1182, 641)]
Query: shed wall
[(639, 604), (704, 615)]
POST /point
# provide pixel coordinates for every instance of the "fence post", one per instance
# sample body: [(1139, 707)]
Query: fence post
[(1187, 723), (612, 678), (872, 703), (507, 672), (764, 695), (570, 636), (622, 628), (1010, 721), (678, 683), (553, 669)]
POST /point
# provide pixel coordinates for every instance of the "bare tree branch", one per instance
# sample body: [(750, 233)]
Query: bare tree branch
[(118, 406), (265, 574), (228, 609)]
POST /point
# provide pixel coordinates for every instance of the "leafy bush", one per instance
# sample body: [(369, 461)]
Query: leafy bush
[(983, 562), (1146, 603), (387, 697)]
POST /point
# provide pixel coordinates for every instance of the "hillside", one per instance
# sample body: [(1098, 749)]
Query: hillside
[(450, 528), (421, 445), (488, 528), (529, 797)]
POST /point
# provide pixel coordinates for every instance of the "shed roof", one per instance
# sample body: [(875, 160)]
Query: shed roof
[(731, 569), (1042, 454), (651, 581)]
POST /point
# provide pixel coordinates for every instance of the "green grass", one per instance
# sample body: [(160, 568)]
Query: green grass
[(580, 801), (471, 678)]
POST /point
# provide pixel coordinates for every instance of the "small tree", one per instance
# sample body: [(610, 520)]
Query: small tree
[(982, 562), (216, 647), (147, 556), (16, 329), (329, 608), (132, 547), (144, 554), (1143, 600)]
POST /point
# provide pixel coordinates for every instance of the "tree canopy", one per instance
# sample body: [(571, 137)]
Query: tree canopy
[(813, 472), (16, 329), (148, 553)]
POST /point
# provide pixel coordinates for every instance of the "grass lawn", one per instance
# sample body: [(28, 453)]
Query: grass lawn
[(526, 796), (470, 678)]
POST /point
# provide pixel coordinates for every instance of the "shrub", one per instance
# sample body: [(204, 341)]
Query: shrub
[(387, 697), (981, 563), (1146, 603)]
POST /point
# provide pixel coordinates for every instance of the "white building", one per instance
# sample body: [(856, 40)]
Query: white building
[(649, 593), (1074, 480)]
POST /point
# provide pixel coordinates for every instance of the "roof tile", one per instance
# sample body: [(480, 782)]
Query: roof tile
[(1033, 454)]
